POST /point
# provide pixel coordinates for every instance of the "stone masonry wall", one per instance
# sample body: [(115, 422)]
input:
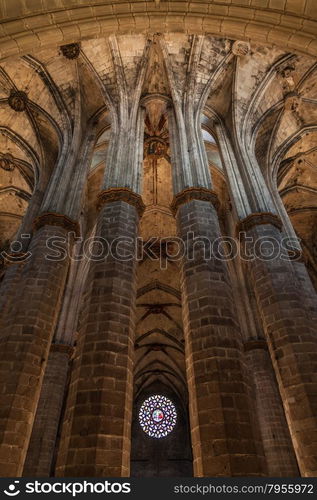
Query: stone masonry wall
[(292, 340), (223, 438), (96, 434), (278, 447), (43, 438), (28, 327)]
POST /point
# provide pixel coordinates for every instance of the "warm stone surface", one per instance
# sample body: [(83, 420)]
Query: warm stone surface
[(41, 448), (27, 328), (8, 286), (117, 111), (308, 292), (279, 452), (220, 411), (291, 335), (96, 431), (290, 23)]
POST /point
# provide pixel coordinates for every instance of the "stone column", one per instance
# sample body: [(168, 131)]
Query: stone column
[(69, 201), (27, 331), (277, 443), (95, 437), (41, 449), (10, 280), (308, 291), (223, 438), (96, 432), (285, 301), (15, 259), (291, 336)]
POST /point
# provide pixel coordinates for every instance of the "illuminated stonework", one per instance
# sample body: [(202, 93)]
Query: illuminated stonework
[(157, 416)]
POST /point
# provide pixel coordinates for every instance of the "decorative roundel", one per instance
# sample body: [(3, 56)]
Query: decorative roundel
[(157, 416)]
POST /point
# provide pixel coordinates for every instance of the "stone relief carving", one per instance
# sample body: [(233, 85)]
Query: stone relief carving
[(6, 162), (240, 48), (71, 51), (18, 100)]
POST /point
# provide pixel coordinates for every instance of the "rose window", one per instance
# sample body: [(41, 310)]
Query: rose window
[(157, 416)]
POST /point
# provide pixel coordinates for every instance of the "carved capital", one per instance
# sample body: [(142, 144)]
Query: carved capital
[(194, 193), (71, 50), (240, 48), (63, 348), (250, 345), (287, 71), (121, 194), (54, 219), (259, 218)]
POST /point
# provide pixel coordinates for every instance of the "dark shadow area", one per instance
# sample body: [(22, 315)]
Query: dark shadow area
[(168, 456)]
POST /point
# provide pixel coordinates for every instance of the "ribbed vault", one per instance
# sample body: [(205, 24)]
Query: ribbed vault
[(25, 28)]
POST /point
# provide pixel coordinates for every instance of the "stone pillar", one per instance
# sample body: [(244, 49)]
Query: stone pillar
[(31, 213), (27, 331), (223, 438), (308, 289), (96, 431), (41, 449), (277, 443), (8, 285), (16, 259), (291, 336), (63, 194), (41, 453)]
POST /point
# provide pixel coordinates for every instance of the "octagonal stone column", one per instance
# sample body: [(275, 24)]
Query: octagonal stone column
[(42, 444), (225, 440), (291, 334), (27, 331), (277, 443), (96, 431)]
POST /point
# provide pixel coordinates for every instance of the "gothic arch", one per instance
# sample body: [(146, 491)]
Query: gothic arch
[(293, 27)]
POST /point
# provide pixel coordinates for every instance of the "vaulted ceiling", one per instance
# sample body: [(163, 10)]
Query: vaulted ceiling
[(29, 26), (266, 97)]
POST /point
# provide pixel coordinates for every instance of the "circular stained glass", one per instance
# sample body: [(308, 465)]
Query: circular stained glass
[(157, 416)]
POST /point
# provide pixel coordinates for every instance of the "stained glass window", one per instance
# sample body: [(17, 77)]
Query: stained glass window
[(157, 416)]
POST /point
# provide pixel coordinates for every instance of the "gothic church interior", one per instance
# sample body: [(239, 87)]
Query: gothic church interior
[(151, 121)]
